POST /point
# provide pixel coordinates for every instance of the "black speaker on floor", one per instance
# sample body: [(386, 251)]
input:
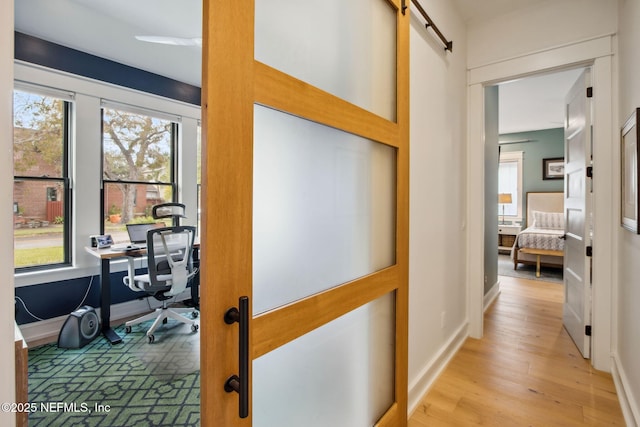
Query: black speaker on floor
[(82, 326)]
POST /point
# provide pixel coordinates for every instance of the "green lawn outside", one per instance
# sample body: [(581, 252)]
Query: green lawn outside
[(52, 254), (38, 256)]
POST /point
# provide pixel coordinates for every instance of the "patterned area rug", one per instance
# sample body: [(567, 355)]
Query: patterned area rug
[(133, 383), (547, 274)]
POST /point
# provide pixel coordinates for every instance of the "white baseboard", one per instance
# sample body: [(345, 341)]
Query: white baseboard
[(491, 296), (628, 403), (432, 370), (48, 330)]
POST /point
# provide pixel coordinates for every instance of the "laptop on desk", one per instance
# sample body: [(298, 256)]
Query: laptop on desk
[(138, 233)]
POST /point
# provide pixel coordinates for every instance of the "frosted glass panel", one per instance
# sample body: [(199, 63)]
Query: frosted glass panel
[(324, 208), (340, 375), (346, 48)]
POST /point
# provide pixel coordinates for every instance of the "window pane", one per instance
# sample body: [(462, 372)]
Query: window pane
[(127, 203), (38, 135), (136, 147), (39, 205), (342, 373), (358, 65), (39, 215), (508, 183), (323, 208)]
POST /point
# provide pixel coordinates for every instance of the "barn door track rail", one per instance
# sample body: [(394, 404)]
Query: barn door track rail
[(448, 44)]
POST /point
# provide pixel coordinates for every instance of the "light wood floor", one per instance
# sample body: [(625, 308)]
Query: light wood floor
[(525, 371)]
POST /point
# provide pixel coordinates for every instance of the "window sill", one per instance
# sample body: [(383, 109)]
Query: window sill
[(61, 274)]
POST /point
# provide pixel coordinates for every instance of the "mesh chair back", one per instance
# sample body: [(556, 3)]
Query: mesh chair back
[(169, 251)]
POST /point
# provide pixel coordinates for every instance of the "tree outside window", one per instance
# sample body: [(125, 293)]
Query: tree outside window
[(137, 152), (41, 186)]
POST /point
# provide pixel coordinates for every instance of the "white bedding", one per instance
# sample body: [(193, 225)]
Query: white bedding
[(540, 238)]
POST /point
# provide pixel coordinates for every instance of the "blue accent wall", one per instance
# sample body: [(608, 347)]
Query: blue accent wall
[(49, 300), (37, 51), (539, 145)]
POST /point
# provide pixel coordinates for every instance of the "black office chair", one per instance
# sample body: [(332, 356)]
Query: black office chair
[(176, 211), (169, 252)]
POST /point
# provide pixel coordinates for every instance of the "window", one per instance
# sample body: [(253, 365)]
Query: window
[(41, 190), (510, 181), (137, 166)]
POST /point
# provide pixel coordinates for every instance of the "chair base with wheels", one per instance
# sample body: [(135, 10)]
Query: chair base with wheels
[(161, 316)]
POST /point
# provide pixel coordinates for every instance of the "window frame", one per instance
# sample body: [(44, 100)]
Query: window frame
[(85, 162), (513, 157), (175, 132), (67, 99)]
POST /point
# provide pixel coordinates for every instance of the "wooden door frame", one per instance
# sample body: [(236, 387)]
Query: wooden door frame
[(238, 81), (598, 54)]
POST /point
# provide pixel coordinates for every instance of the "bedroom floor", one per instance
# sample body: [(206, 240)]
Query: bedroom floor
[(547, 274)]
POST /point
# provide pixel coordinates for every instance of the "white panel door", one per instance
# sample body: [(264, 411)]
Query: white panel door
[(577, 205)]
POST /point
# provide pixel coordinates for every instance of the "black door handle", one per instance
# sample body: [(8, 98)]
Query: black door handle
[(240, 383)]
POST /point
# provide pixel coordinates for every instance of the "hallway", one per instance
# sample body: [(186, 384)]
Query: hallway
[(526, 371)]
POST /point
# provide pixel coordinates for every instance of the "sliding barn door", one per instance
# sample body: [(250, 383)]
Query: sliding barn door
[(305, 213)]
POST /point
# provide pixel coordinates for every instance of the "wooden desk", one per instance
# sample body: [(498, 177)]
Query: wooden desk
[(538, 253), (105, 256)]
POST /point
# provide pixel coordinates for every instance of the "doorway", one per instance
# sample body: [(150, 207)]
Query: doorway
[(531, 115), (597, 54)]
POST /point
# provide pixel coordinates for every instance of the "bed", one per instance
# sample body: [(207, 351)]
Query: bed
[(541, 243)]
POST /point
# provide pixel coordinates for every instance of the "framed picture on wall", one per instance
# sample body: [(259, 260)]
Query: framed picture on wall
[(629, 194), (553, 168)]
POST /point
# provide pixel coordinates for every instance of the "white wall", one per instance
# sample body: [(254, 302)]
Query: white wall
[(437, 251), (538, 27), (7, 360), (627, 340)]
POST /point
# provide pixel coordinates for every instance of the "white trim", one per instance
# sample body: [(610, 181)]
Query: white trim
[(134, 109), (433, 368), (628, 404), (7, 316), (605, 205), (36, 74), (560, 57), (44, 90), (597, 53), (552, 49), (475, 209), (491, 296)]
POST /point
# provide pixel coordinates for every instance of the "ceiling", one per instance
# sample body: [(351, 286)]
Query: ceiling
[(534, 103), (108, 29)]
